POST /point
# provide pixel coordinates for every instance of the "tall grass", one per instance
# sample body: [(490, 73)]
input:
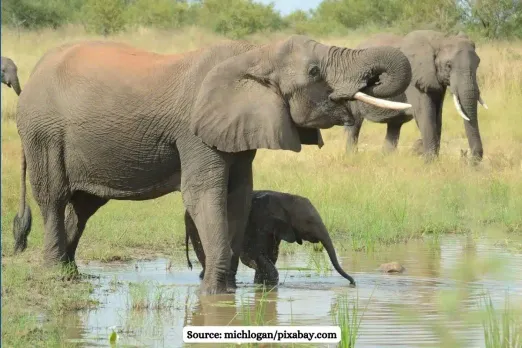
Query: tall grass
[(502, 330), (348, 317), (150, 296)]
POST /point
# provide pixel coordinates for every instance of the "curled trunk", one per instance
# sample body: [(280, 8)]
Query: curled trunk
[(381, 72)]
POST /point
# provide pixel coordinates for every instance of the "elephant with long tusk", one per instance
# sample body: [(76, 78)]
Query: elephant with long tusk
[(438, 62), (102, 121)]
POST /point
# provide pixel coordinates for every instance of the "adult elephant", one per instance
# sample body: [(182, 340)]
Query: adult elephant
[(10, 74), (438, 62), (103, 120)]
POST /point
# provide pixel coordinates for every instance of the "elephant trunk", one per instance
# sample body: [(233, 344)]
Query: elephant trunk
[(16, 85), (368, 75), (466, 94), (328, 245)]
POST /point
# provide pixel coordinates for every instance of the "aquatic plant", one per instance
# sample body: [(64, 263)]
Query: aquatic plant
[(502, 330), (346, 315)]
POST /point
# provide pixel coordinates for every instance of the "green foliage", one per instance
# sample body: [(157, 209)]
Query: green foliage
[(237, 18), (158, 13), (32, 14), (104, 17), (441, 15), (492, 19), (356, 13)]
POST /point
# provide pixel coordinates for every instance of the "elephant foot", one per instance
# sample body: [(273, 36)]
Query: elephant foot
[(417, 148), (214, 290), (389, 149), (231, 283), (68, 271), (267, 282), (430, 157), (215, 283)]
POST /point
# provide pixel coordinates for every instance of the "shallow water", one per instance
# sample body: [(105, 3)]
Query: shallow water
[(307, 296)]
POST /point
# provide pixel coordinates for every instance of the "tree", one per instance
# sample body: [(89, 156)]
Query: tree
[(104, 17)]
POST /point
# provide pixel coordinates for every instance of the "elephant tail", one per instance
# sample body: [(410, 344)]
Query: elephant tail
[(328, 245), (23, 219), (187, 248)]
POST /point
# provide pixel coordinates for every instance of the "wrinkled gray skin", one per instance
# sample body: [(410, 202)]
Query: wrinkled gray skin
[(101, 121), (438, 62), (274, 216), (10, 74)]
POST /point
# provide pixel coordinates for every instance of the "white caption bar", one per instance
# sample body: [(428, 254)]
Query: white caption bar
[(261, 334)]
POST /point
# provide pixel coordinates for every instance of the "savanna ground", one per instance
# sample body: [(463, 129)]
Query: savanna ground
[(367, 200)]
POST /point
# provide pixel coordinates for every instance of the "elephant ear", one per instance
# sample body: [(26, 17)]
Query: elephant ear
[(286, 232), (240, 107), (421, 55), (269, 208)]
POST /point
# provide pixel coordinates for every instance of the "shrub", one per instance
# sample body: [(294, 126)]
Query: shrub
[(104, 17)]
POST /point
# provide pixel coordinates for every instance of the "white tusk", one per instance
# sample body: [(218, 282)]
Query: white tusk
[(459, 109), (482, 103), (387, 104)]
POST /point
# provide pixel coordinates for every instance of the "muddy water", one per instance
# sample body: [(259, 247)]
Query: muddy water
[(149, 302)]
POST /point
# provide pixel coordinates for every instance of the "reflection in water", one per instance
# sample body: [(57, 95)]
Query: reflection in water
[(417, 308)]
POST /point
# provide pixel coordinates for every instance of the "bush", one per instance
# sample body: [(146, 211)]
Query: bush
[(238, 18), (32, 14), (104, 17), (158, 13)]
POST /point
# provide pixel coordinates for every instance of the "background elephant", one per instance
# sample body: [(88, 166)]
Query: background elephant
[(274, 216), (10, 74), (103, 120), (438, 62)]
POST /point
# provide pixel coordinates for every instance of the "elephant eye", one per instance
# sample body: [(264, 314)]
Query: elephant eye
[(448, 65), (314, 71)]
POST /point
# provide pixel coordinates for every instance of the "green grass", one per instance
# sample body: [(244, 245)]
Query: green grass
[(502, 330), (348, 317), (151, 296), (367, 200)]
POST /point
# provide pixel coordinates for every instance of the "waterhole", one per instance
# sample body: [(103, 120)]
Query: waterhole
[(431, 303)]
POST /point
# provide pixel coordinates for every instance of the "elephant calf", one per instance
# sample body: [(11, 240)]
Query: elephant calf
[(274, 216), (10, 74)]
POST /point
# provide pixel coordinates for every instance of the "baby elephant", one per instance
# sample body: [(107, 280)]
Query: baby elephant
[(10, 74), (274, 216)]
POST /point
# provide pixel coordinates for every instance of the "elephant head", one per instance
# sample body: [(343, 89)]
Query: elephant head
[(294, 219), (278, 96), (438, 62), (10, 74)]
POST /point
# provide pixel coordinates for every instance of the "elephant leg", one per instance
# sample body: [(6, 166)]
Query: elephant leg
[(81, 207), (439, 104), (426, 119), (417, 147), (239, 202), (266, 272), (393, 132), (50, 189), (353, 131), (204, 183)]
